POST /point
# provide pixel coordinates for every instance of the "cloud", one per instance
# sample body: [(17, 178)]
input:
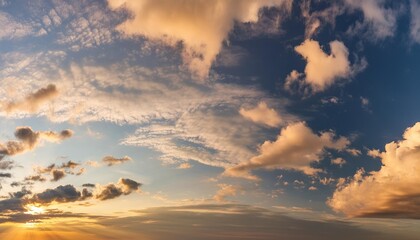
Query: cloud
[(29, 139), (89, 185), (379, 20), (33, 102), (124, 186), (5, 175), (295, 148), (235, 222), (391, 192), (262, 114), (58, 171), (338, 161), (14, 29), (184, 166), (35, 178), (201, 26), (110, 160), (60, 194), (415, 21), (6, 164), (322, 70), (57, 174), (224, 139), (225, 191)]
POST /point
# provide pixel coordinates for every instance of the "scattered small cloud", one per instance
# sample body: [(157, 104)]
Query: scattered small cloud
[(225, 190), (124, 186), (338, 161), (184, 166), (322, 69), (262, 114), (111, 161)]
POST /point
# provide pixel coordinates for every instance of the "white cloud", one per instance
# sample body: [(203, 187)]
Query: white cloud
[(322, 70), (391, 191), (295, 148), (201, 27), (262, 114)]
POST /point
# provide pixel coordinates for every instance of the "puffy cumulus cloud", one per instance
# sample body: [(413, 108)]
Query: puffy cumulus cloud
[(225, 190), (379, 19), (262, 114), (33, 101), (28, 139), (295, 148), (322, 70), (110, 160), (391, 192), (60, 194), (124, 186), (200, 25)]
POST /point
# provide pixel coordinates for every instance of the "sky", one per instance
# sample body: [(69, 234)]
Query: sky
[(209, 119)]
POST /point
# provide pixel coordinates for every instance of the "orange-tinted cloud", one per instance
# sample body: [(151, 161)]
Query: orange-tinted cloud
[(295, 148), (200, 25), (33, 101), (262, 114), (393, 191)]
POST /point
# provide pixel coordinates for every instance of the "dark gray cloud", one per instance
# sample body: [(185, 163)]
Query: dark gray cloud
[(110, 160), (5, 175), (89, 185), (109, 191), (57, 174), (60, 194), (33, 101), (35, 178), (124, 186)]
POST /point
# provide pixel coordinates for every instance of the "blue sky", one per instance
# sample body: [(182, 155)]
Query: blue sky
[(128, 114)]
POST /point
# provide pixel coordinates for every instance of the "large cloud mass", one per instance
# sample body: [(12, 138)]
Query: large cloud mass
[(393, 191), (201, 25)]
